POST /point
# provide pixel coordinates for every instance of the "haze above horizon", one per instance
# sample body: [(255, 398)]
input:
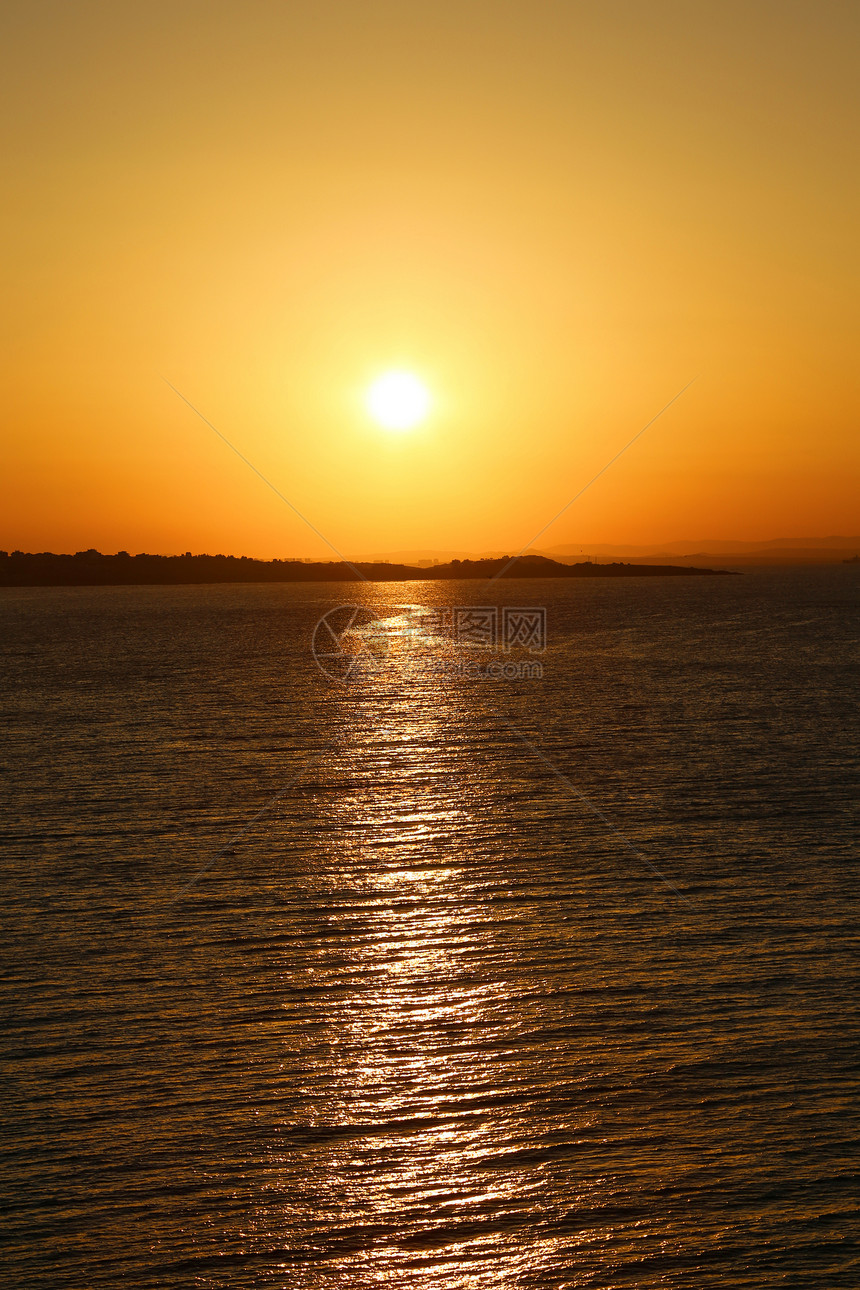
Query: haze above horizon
[(547, 220)]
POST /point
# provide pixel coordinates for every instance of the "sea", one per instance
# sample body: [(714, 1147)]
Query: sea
[(433, 934)]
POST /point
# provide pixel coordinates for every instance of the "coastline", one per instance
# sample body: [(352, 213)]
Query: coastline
[(92, 569)]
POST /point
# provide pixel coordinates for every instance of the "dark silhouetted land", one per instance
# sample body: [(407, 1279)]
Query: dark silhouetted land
[(92, 569), (713, 553)]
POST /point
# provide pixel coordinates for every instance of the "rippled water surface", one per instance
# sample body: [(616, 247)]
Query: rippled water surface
[(530, 982)]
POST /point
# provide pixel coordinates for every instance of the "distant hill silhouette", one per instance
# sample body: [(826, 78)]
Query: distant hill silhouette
[(723, 554), (92, 569), (540, 566)]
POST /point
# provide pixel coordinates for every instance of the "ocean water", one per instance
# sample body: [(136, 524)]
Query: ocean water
[(427, 977)]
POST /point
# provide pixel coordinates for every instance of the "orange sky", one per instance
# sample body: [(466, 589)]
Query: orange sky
[(555, 213)]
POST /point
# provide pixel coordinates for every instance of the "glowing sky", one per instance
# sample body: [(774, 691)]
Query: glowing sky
[(553, 214)]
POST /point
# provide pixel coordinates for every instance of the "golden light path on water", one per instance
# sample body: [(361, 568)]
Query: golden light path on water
[(315, 984), (412, 1070), (423, 1148)]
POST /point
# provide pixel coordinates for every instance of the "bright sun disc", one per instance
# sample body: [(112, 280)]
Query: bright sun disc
[(398, 400)]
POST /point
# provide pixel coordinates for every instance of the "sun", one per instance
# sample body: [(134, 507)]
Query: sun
[(398, 400)]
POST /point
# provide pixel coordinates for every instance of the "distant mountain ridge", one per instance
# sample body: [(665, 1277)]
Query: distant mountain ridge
[(716, 545), (825, 550)]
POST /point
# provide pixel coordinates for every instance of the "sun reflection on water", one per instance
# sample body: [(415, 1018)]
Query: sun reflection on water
[(426, 1086)]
